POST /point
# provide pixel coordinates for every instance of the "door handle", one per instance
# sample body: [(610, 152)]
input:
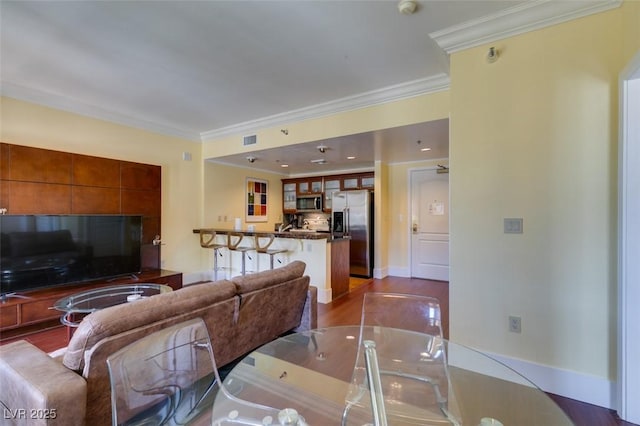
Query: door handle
[(414, 228)]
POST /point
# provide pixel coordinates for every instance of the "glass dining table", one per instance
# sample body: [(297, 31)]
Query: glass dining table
[(317, 377)]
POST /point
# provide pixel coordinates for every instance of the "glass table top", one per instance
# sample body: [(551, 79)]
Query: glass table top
[(104, 297), (313, 373)]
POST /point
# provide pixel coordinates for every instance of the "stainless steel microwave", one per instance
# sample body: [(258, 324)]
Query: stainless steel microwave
[(310, 203)]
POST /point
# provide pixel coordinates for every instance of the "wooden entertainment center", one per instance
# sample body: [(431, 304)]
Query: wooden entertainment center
[(33, 311), (36, 181)]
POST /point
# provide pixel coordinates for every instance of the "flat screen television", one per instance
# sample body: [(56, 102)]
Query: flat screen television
[(38, 251)]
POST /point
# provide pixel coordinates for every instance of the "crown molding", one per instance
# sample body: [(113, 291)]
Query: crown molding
[(396, 92), (64, 103), (525, 17)]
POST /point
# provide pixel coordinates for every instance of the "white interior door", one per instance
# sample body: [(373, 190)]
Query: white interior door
[(430, 225)]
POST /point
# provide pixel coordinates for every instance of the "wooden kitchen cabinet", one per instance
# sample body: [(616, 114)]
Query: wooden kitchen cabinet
[(358, 181), (331, 185), (289, 196), (326, 185), (310, 186)]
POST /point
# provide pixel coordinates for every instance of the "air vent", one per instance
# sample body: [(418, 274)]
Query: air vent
[(249, 140)]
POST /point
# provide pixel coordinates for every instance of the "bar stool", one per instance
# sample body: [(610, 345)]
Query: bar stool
[(265, 248), (208, 241), (234, 245)]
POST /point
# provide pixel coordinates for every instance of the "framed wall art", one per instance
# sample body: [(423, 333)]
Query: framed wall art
[(256, 200)]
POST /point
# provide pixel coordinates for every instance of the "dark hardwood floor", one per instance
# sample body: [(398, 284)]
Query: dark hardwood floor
[(346, 311)]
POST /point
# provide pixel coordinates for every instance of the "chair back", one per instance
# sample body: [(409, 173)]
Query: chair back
[(261, 245), (208, 239), (401, 375), (166, 378), (403, 311), (170, 378)]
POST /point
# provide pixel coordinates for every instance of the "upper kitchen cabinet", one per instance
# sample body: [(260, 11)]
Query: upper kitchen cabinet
[(308, 186), (331, 184), (289, 195), (326, 186), (358, 181)]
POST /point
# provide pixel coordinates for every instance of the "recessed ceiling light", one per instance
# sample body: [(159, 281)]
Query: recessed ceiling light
[(351, 157), (319, 161), (425, 149), (284, 165)]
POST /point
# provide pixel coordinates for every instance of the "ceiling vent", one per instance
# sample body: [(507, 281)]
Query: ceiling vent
[(249, 140)]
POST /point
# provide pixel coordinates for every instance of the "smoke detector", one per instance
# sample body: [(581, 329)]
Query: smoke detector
[(407, 7)]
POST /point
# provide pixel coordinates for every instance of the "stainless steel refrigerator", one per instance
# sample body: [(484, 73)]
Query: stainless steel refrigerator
[(352, 217)]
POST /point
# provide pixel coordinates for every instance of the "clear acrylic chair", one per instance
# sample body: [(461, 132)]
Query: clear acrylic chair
[(400, 375), (170, 378)]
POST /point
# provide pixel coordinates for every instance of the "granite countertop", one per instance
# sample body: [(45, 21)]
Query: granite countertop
[(301, 235)]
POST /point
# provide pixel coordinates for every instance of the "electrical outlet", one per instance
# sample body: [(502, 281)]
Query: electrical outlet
[(515, 324)]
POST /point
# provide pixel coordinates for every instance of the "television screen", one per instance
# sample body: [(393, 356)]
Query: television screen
[(39, 251)]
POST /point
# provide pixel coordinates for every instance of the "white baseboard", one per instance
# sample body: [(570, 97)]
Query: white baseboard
[(324, 295), (570, 384), (399, 272), (380, 273)]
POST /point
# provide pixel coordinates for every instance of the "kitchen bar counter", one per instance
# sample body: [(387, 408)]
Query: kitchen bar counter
[(303, 235), (323, 255)]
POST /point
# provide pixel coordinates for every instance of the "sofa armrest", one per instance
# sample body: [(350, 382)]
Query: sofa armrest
[(309, 319), (35, 389)]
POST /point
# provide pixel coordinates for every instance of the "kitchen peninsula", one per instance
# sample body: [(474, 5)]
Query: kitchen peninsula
[(327, 258)]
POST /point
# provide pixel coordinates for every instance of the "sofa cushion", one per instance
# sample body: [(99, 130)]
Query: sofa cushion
[(254, 282), (270, 312), (117, 319), (34, 382)]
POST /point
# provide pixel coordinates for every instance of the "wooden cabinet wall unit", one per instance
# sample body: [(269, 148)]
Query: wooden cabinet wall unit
[(42, 181), (21, 315)]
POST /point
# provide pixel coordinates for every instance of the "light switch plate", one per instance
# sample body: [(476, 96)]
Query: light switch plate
[(513, 225)]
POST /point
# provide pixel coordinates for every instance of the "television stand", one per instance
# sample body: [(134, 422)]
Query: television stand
[(21, 314), (4, 297), (132, 276)]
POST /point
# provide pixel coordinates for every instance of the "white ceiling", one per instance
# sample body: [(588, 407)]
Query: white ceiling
[(202, 68), (396, 145)]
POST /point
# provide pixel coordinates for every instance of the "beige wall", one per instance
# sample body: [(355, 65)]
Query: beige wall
[(534, 135), (631, 29), (27, 124), (224, 196), (393, 114)]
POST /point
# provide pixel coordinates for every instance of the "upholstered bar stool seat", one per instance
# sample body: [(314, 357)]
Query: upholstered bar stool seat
[(233, 243), (208, 241), (264, 249)]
